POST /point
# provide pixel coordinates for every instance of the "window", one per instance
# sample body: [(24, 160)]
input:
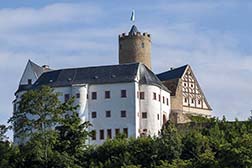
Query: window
[(66, 97), (185, 100), (142, 45), (163, 99), (159, 97), (154, 96), (87, 96), (94, 95), (101, 134), (77, 95), (117, 131), (198, 101), (192, 100), (141, 95), (123, 113), (144, 114), (125, 132), (107, 94), (29, 81), (123, 93), (109, 133), (158, 116), (108, 114), (167, 101), (184, 84), (93, 135), (94, 114)]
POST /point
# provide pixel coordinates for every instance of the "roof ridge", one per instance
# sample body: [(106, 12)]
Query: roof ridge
[(134, 63)]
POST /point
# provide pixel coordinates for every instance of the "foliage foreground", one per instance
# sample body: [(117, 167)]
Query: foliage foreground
[(208, 143)]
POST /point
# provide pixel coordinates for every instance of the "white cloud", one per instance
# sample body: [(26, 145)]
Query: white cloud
[(222, 70), (52, 14)]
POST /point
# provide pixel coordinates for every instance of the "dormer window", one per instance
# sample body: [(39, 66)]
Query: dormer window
[(29, 81)]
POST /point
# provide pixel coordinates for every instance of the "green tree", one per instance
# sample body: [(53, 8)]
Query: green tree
[(51, 131), (72, 132), (38, 111), (169, 143), (3, 130), (176, 163), (143, 151), (8, 152)]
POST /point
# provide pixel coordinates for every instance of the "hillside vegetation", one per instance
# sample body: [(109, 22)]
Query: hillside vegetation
[(208, 143)]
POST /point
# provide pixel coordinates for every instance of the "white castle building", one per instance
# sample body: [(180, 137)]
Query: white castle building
[(125, 98)]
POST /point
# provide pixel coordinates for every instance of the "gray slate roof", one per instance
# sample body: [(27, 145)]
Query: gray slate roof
[(38, 70), (172, 74), (99, 75)]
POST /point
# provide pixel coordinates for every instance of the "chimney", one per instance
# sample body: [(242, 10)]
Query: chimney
[(45, 67)]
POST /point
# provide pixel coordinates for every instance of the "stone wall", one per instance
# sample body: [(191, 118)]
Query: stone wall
[(135, 48)]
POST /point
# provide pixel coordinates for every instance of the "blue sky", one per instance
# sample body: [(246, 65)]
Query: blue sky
[(214, 37)]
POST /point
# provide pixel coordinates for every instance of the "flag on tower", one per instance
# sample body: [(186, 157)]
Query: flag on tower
[(132, 18)]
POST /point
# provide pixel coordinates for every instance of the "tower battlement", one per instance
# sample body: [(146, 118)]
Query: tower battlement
[(135, 47), (137, 34)]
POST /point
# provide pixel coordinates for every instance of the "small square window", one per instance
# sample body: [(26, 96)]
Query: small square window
[(125, 132), (123, 93), (154, 96), (93, 135), (109, 133), (66, 97), (29, 81), (141, 95), (144, 114), (101, 134), (107, 94), (94, 114), (123, 113), (94, 95), (108, 114), (77, 95)]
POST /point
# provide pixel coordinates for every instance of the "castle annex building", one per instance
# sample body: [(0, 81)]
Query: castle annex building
[(126, 98)]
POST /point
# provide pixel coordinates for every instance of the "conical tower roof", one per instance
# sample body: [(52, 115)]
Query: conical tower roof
[(133, 30)]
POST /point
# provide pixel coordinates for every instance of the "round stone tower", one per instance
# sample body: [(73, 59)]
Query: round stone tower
[(135, 47)]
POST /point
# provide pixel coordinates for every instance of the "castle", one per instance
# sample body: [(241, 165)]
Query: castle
[(126, 98)]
